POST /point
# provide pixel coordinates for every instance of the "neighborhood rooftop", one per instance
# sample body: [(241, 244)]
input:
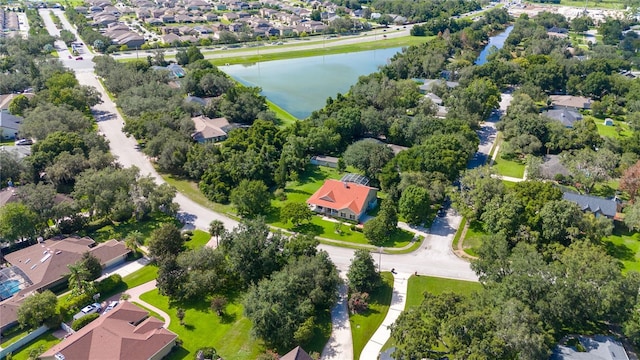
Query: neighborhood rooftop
[(594, 204)]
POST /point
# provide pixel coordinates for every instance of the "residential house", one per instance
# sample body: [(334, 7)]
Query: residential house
[(296, 354), (170, 38), (570, 101), (328, 161), (594, 204), (343, 199), (230, 16), (168, 18), (176, 70), (558, 32), (564, 115), (210, 130), (434, 98), (45, 265), (597, 347), (9, 125), (428, 84), (211, 17), (125, 333)]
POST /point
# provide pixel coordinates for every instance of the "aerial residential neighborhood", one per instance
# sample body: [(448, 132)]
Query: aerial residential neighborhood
[(275, 179)]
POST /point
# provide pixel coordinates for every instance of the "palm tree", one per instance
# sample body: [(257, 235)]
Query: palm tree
[(216, 228), (78, 279), (134, 240)]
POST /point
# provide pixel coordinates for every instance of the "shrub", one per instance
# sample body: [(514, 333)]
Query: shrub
[(83, 321), (72, 224), (109, 284), (280, 195), (358, 302), (73, 304), (207, 353)]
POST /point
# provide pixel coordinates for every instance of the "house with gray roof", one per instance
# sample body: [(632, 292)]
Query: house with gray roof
[(594, 204), (9, 125), (565, 116), (598, 347)]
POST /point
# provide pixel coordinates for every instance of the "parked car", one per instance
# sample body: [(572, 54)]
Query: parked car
[(79, 58), (24, 142), (110, 307), (70, 57), (89, 309)]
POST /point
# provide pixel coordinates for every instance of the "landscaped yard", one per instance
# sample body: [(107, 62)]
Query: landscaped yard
[(229, 334), (419, 284), (625, 247), (142, 276), (473, 239), (190, 190), (199, 239), (512, 168), (120, 231), (364, 325), (42, 342), (619, 130), (299, 191)]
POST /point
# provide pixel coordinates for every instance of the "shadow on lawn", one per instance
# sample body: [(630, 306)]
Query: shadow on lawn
[(308, 229)]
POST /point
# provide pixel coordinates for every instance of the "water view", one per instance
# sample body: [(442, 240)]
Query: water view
[(497, 41), (303, 85)]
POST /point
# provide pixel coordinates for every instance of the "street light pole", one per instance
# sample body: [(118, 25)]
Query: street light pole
[(379, 258)]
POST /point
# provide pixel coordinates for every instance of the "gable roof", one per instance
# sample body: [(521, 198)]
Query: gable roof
[(296, 354), (578, 102), (207, 128), (126, 332), (598, 347), (565, 116), (335, 194), (593, 204), (9, 121)]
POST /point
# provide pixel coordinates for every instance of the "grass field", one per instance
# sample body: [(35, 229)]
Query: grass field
[(284, 118), (364, 325), (512, 168), (625, 247), (151, 312), (419, 284), (142, 276), (602, 4), (229, 334), (39, 345), (120, 230), (199, 239), (473, 238), (293, 53), (190, 190), (619, 130)]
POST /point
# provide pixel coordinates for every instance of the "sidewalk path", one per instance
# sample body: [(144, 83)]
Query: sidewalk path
[(340, 344), (125, 269), (141, 289), (398, 300)]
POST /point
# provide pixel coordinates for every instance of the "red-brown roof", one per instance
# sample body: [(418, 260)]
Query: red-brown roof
[(338, 195), (126, 332)]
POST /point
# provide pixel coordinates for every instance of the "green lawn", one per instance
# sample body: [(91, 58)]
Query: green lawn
[(228, 334), (190, 189), (619, 130), (12, 335), (601, 4), (473, 238), (419, 284), (625, 247), (120, 230), (299, 191), (456, 237), (151, 312), (200, 238), (364, 325), (512, 168), (284, 118), (142, 276), (42, 342), (294, 53)]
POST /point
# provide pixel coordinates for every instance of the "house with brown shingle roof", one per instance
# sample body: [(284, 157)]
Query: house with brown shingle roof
[(343, 199), (210, 130), (125, 333), (296, 354)]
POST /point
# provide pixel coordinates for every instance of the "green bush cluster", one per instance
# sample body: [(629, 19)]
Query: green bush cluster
[(83, 321)]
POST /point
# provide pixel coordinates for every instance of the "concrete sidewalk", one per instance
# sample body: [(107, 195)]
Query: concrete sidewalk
[(135, 297), (125, 268), (398, 300), (340, 344)]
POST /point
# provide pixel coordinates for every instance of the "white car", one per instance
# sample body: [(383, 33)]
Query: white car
[(110, 307), (89, 309)]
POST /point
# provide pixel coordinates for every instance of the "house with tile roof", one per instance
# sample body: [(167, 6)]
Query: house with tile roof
[(594, 204), (127, 332), (341, 199)]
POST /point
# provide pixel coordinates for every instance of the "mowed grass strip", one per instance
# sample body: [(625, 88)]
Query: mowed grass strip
[(418, 285), (624, 246), (228, 334), (364, 325), (42, 343)]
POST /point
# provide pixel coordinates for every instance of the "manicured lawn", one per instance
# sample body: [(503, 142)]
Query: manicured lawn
[(42, 342), (364, 325), (419, 284), (473, 238), (512, 168), (12, 335), (190, 190), (624, 246), (200, 238), (142, 276), (341, 49), (602, 4), (120, 230), (619, 130), (299, 191), (151, 312), (456, 237), (284, 118), (229, 334)]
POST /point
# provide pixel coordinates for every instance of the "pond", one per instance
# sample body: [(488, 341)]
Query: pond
[(496, 41), (301, 86)]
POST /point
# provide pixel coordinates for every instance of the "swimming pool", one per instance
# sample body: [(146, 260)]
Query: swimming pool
[(8, 288)]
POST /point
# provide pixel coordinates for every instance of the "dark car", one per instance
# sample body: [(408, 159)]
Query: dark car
[(79, 58), (442, 213)]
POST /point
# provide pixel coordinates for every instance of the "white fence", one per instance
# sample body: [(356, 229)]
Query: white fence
[(23, 341)]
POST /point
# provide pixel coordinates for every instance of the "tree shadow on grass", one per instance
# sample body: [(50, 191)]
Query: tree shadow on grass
[(619, 251), (309, 229), (178, 352), (226, 318), (189, 327)]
